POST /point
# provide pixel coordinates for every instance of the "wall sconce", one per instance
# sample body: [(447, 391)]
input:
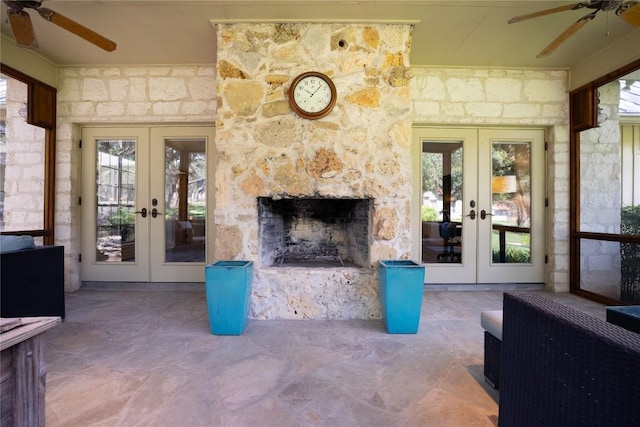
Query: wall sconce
[(602, 116), (24, 111), (503, 184)]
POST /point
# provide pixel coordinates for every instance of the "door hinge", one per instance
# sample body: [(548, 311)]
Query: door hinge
[(79, 257), (546, 259), (79, 143), (546, 202), (546, 146), (80, 200)]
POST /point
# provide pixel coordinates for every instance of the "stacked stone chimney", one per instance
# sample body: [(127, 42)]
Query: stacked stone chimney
[(359, 151)]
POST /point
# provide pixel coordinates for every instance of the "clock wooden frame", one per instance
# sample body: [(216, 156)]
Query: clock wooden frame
[(306, 114)]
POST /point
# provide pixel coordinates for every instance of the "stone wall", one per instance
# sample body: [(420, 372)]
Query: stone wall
[(490, 96), (360, 150), (601, 196), (24, 170)]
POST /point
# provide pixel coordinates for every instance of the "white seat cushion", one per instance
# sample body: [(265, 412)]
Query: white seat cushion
[(491, 321)]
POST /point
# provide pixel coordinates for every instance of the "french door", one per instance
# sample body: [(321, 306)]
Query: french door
[(481, 194), (145, 203)]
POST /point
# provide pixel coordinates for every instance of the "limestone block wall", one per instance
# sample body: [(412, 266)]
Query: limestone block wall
[(142, 95), (360, 150), (24, 160), (601, 196), (509, 97)]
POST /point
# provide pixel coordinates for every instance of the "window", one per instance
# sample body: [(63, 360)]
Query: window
[(605, 177), (27, 156)]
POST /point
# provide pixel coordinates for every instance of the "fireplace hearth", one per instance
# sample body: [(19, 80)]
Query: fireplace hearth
[(314, 232)]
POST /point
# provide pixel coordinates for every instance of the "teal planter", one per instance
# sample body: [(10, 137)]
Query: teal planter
[(228, 288), (401, 286)]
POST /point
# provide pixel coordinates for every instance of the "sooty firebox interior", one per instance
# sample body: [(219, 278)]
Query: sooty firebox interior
[(314, 232)]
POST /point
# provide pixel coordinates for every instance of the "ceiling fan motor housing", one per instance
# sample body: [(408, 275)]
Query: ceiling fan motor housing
[(606, 5), (19, 5)]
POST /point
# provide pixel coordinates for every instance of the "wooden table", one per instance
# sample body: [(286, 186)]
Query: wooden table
[(23, 370)]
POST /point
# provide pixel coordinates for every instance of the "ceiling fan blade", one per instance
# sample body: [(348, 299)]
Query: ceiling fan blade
[(77, 29), (567, 33), (22, 28), (630, 13), (572, 6)]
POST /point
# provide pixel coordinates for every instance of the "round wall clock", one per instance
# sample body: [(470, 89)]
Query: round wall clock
[(312, 95)]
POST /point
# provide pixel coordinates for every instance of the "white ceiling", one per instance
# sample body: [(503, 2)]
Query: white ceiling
[(449, 33)]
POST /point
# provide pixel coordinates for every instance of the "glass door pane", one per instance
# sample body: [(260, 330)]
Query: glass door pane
[(511, 202), (185, 199), (442, 204), (115, 200)]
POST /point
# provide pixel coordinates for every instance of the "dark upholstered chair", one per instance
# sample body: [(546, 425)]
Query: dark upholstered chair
[(32, 282), (562, 367), (449, 232)]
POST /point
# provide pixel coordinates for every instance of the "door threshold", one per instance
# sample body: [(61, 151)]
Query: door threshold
[(142, 286), (484, 286)]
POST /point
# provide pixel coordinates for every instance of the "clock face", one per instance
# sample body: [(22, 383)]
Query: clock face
[(312, 95)]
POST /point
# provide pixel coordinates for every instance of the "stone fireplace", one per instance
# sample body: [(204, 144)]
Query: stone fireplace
[(314, 203), (318, 232)]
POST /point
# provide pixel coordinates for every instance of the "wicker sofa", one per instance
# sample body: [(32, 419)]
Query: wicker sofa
[(562, 367)]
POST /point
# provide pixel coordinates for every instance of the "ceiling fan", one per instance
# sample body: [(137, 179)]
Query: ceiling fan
[(22, 27), (627, 10)]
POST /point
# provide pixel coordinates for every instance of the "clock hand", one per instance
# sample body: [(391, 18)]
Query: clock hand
[(314, 92)]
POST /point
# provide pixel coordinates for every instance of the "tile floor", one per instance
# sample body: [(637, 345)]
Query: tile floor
[(147, 358)]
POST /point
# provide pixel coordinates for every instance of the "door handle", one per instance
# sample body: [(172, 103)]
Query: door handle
[(472, 214), (484, 214), (142, 212), (155, 213)]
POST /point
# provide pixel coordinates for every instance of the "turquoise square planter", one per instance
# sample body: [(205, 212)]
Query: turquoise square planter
[(401, 287), (228, 289)]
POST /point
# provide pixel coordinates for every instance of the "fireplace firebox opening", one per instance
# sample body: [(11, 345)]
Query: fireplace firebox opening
[(314, 232)]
